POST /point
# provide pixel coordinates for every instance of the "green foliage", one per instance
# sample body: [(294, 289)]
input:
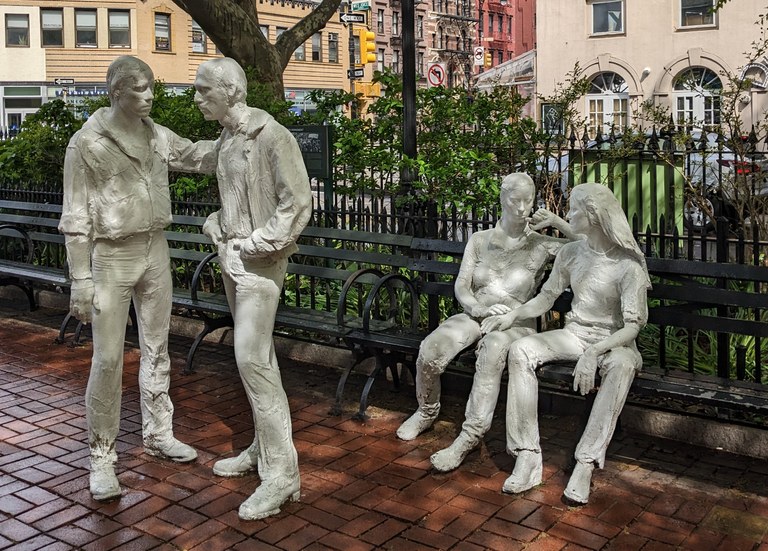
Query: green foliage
[(36, 154)]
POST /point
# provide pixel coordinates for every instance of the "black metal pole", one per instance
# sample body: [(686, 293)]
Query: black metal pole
[(409, 88), (351, 43)]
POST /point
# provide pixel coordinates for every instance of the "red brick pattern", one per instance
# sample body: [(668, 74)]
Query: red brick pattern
[(362, 488)]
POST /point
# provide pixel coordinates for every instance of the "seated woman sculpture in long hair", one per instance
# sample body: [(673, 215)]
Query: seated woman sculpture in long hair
[(609, 279)]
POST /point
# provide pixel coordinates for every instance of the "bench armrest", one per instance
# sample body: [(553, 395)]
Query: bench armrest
[(25, 236), (387, 281), (198, 273), (351, 280)]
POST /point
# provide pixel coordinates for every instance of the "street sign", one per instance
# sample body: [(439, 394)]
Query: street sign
[(356, 73), (436, 74), (361, 5), (479, 56), (353, 18), (62, 81)]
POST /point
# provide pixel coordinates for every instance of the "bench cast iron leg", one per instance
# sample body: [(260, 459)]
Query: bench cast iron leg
[(211, 325), (336, 408)]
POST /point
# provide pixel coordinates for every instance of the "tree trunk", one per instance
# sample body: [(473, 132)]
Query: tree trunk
[(233, 25)]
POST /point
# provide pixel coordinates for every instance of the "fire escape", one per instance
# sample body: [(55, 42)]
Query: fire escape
[(453, 37)]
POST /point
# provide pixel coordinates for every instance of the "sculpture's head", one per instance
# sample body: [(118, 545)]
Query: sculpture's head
[(129, 84), (518, 193), (594, 208), (220, 84)]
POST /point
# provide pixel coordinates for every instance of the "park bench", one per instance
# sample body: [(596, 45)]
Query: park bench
[(688, 294)]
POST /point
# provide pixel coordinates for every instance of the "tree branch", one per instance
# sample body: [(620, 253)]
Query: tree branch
[(294, 37)]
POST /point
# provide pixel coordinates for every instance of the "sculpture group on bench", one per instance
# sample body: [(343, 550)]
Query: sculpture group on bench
[(501, 269), (609, 279)]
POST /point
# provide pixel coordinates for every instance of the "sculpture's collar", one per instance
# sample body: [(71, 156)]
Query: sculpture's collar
[(97, 123)]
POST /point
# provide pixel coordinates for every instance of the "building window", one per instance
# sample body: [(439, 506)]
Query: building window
[(395, 23), (85, 28), (396, 61), (380, 60), (501, 24), (17, 30), (697, 97), (608, 17), (439, 6), (500, 56), (440, 38), (380, 21), (696, 13), (509, 27), (490, 24), (333, 47), (119, 28), (265, 31), (608, 104), (279, 31), (299, 54), (199, 40), (317, 47), (420, 63), (163, 32), (419, 26), (52, 32)]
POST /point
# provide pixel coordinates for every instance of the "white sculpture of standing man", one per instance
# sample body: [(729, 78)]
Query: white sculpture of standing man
[(265, 204), (116, 204), (501, 269), (610, 282)]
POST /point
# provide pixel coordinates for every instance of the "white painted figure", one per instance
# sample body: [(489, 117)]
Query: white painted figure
[(116, 204), (265, 204), (610, 283), (501, 269)]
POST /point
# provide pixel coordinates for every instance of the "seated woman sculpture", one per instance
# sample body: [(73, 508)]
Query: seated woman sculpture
[(501, 269), (609, 279)]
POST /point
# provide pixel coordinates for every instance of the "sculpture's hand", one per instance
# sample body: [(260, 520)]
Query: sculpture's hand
[(497, 323), (584, 373), (212, 229), (83, 300), (498, 310), (248, 250), (541, 219)]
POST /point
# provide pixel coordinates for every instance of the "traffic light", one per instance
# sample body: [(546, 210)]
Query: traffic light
[(488, 62), (367, 46)]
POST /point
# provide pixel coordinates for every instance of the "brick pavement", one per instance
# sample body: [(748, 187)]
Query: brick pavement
[(362, 488)]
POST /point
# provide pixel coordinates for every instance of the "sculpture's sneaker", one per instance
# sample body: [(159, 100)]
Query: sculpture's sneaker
[(415, 425), (240, 465), (577, 490), (526, 474), (451, 457), (171, 449), (103, 482), (269, 497)]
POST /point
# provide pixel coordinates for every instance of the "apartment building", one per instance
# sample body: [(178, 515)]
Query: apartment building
[(675, 54), (61, 49)]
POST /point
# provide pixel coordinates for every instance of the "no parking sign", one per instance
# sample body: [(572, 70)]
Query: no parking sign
[(436, 73)]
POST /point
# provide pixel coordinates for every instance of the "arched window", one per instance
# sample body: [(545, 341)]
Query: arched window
[(757, 73), (697, 97), (440, 38), (607, 104)]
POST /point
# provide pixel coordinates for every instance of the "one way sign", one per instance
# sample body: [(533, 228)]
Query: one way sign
[(353, 18)]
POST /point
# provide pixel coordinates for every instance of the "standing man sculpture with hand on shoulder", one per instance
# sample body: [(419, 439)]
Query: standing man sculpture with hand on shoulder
[(610, 283), (265, 204), (501, 269), (116, 204)]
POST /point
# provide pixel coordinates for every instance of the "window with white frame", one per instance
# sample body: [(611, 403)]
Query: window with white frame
[(163, 32), (199, 42), (419, 26), (317, 47), (85, 28), (696, 13), (333, 47), (380, 21), (52, 31), (264, 30), (395, 23), (608, 17), (119, 28), (490, 23), (380, 60), (299, 54), (17, 30), (697, 97), (607, 104), (395, 61), (420, 63)]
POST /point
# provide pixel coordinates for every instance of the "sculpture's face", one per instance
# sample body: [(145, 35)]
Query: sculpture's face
[(578, 217), (136, 99), (210, 98), (517, 202)]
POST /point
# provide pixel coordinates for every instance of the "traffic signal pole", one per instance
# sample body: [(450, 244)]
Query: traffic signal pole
[(351, 43), (409, 89)]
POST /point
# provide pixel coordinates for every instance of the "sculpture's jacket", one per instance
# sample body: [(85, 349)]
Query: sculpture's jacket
[(112, 193), (263, 185)]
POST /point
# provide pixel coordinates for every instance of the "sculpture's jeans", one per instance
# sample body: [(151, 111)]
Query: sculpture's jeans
[(137, 267), (441, 346), (617, 369), (253, 291)]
